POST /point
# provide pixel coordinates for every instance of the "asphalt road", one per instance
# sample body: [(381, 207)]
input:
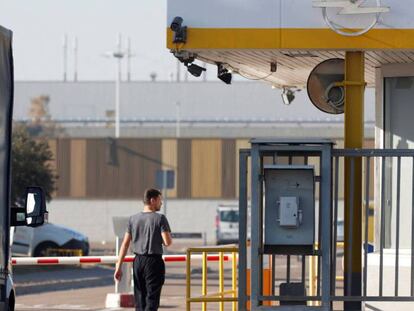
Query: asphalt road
[(63, 288), (85, 288)]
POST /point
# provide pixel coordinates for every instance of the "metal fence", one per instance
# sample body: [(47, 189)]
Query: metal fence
[(391, 199), (386, 218)]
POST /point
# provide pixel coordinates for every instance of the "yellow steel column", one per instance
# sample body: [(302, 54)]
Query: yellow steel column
[(354, 136), (234, 279), (204, 281), (188, 280)]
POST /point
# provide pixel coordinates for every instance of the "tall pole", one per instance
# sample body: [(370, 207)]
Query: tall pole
[(354, 138), (118, 55), (65, 57), (75, 59), (177, 122), (129, 55), (164, 183), (178, 71)]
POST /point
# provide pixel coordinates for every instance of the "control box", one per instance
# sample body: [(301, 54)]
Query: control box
[(289, 220)]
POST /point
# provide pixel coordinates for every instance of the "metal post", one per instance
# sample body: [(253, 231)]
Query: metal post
[(204, 281), (177, 121), (221, 279), (234, 279), (178, 78), (129, 55), (164, 190), (354, 134), (65, 57), (326, 199), (75, 59), (118, 89), (242, 303), (188, 281), (256, 273)]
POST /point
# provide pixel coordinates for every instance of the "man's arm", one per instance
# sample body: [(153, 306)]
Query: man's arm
[(122, 253), (166, 238)]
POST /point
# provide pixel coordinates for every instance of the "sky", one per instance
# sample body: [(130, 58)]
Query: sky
[(39, 27)]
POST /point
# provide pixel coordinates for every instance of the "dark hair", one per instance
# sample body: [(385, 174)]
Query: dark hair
[(151, 194)]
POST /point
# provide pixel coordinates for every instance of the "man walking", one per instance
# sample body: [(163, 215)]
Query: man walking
[(148, 231)]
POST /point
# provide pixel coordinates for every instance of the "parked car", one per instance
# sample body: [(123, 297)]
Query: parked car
[(227, 224), (38, 242)]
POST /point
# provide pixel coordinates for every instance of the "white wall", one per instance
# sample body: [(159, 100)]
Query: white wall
[(279, 14)]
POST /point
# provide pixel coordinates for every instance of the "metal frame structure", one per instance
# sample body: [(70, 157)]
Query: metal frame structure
[(325, 273), (273, 148)]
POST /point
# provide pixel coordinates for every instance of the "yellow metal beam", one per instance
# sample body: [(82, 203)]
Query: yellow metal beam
[(291, 38), (354, 136)]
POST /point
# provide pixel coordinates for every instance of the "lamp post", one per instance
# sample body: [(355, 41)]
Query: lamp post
[(118, 55)]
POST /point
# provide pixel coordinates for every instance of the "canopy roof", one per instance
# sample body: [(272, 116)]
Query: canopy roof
[(248, 35)]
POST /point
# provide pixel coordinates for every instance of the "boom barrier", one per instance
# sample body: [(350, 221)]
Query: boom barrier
[(79, 260)]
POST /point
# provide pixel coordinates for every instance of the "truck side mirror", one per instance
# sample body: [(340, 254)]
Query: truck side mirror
[(35, 207)]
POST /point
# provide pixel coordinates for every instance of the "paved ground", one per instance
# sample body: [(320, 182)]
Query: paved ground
[(77, 288), (62, 288)]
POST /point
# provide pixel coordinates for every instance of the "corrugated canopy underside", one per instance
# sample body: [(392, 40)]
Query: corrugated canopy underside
[(293, 67)]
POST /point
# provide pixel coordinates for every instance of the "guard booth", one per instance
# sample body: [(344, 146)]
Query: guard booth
[(334, 49), (286, 221)]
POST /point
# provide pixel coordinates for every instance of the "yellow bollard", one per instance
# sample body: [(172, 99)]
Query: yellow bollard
[(221, 279), (234, 279), (188, 281)]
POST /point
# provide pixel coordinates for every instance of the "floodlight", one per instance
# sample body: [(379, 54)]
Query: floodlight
[(195, 70), (288, 96)]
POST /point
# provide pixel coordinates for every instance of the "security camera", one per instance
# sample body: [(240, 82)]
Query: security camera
[(180, 31), (176, 23)]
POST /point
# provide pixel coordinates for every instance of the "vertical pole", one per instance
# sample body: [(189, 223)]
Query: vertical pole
[(326, 223), (204, 281), (165, 189), (118, 87), (311, 278), (221, 279), (178, 77), (75, 59), (256, 271), (234, 279), (243, 156), (354, 135), (117, 247), (177, 119), (188, 281), (129, 55), (65, 57)]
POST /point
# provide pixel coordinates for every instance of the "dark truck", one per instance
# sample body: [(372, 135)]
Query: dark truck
[(32, 214)]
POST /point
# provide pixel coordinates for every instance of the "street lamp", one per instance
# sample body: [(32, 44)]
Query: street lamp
[(118, 55)]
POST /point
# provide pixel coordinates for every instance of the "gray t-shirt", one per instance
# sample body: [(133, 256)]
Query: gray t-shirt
[(145, 230)]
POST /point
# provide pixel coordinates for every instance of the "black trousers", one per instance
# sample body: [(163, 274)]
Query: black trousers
[(149, 277)]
